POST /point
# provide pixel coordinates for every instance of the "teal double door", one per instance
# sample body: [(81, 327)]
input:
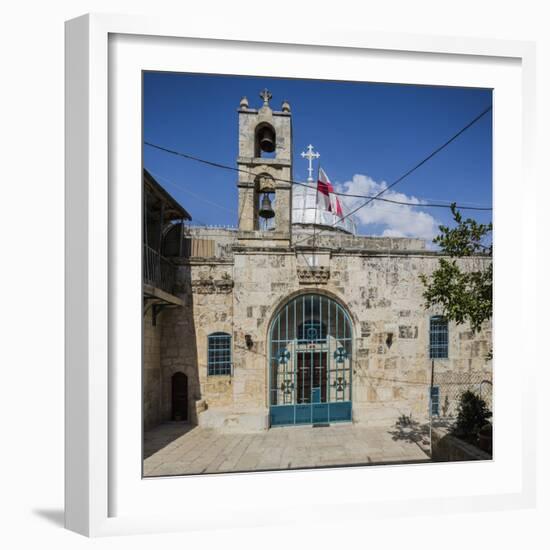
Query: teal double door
[(313, 393)]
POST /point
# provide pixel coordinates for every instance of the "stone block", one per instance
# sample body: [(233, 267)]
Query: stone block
[(408, 331)]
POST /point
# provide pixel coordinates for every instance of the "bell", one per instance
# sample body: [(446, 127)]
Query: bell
[(267, 139), (266, 210)]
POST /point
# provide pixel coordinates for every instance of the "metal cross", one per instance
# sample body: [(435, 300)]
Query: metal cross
[(310, 155), (265, 94)]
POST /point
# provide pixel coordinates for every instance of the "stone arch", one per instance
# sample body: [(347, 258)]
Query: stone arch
[(310, 345), (173, 239), (312, 290), (264, 182)]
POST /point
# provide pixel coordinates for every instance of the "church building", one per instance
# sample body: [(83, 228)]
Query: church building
[(291, 317)]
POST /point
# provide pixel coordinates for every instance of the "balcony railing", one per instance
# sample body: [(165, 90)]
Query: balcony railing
[(158, 271)]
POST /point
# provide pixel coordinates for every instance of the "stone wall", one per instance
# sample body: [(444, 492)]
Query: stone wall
[(352, 244), (447, 448), (151, 372), (206, 289), (239, 294), (224, 239), (466, 369)]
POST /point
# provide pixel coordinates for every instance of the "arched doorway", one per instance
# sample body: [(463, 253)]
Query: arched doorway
[(179, 396), (310, 359)]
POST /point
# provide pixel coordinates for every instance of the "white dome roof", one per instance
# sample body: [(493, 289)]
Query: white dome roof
[(306, 212)]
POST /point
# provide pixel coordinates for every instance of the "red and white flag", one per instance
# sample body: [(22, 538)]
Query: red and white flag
[(326, 199)]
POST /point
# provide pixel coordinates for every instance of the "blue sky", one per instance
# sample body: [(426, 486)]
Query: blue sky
[(368, 135)]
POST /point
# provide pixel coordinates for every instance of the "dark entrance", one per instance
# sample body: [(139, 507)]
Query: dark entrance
[(312, 376), (179, 396)]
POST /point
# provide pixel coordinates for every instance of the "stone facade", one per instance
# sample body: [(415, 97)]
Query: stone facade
[(240, 294), (251, 274)]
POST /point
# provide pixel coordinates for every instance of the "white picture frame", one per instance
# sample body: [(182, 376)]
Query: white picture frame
[(105, 493)]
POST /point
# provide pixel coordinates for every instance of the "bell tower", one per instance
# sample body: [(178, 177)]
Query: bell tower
[(265, 158)]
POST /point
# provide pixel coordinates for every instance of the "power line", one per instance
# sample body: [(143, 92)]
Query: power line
[(410, 171), (195, 195), (349, 195), (422, 162), (232, 168)]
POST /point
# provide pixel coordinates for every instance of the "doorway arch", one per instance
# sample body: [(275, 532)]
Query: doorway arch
[(310, 362)]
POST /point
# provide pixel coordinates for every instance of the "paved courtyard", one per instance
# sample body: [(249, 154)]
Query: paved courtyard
[(177, 448)]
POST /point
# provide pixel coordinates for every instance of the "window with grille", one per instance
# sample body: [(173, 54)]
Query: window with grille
[(434, 400), (219, 353), (439, 338), (311, 331)]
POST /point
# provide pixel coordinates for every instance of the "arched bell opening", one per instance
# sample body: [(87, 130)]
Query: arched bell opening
[(265, 198), (310, 362), (265, 141)]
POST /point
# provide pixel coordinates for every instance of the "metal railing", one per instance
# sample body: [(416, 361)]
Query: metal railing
[(158, 271), (450, 387)]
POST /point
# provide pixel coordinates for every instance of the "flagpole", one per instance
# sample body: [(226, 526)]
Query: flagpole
[(314, 258)]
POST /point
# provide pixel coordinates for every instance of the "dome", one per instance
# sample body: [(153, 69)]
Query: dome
[(306, 212)]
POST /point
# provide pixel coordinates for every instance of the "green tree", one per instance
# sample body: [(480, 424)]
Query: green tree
[(472, 415), (464, 296)]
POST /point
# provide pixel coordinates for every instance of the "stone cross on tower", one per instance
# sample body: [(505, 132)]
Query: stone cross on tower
[(310, 155), (265, 94)]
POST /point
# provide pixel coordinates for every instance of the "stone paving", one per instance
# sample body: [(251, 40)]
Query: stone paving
[(178, 449)]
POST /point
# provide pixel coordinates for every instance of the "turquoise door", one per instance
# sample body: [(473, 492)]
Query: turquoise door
[(315, 395)]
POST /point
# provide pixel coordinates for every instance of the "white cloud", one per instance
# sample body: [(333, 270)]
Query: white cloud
[(397, 220)]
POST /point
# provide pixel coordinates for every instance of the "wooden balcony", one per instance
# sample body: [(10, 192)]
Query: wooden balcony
[(158, 271)]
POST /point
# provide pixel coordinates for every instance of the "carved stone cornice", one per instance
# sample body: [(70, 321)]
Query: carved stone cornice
[(209, 285), (316, 275)]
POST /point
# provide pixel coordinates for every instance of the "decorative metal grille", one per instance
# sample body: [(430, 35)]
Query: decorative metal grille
[(439, 338), (219, 353), (310, 362)]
